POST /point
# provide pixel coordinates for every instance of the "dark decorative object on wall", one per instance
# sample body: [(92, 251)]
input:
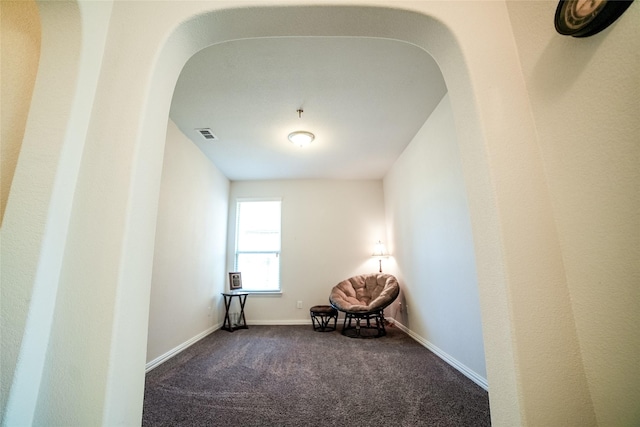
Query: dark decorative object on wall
[(584, 18)]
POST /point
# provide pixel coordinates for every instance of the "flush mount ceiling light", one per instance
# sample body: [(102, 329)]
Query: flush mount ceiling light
[(301, 137)]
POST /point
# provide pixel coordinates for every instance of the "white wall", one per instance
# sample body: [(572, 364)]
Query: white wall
[(585, 97), (20, 40), (38, 219), (431, 241), (329, 229), (190, 248)]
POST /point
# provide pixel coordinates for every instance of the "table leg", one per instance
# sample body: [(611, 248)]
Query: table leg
[(244, 321), (227, 320)]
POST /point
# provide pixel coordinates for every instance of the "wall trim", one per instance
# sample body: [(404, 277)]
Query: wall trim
[(180, 348), (461, 367)]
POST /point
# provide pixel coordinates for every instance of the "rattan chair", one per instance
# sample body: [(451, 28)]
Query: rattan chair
[(362, 299)]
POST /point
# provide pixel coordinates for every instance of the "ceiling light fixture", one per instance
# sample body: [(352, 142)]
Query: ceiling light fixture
[(301, 137)]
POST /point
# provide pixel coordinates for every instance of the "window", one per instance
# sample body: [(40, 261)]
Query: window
[(258, 244)]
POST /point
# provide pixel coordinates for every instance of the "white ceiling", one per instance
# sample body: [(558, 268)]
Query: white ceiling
[(363, 98)]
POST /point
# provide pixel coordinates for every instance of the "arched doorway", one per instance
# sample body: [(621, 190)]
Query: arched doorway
[(221, 26)]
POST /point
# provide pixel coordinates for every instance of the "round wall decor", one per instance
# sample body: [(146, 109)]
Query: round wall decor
[(584, 18)]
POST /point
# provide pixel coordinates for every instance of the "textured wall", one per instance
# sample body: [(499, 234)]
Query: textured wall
[(20, 55), (37, 216), (189, 258), (585, 98), (432, 243)]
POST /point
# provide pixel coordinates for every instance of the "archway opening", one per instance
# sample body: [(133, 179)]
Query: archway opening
[(338, 23)]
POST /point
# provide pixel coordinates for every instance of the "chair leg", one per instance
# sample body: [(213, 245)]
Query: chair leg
[(381, 327), (364, 325)]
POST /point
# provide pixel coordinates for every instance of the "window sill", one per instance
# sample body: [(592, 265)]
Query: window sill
[(265, 293)]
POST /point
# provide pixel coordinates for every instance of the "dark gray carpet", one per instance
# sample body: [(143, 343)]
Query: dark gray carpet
[(293, 376)]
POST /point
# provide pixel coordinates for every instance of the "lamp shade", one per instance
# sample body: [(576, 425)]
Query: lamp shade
[(380, 251)]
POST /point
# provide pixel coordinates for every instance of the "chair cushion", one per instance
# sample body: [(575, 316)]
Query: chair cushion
[(322, 309), (365, 293)]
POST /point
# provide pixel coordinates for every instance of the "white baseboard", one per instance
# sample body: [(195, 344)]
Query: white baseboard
[(174, 351), (465, 370)]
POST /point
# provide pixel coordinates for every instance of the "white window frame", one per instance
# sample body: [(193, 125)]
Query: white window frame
[(247, 284)]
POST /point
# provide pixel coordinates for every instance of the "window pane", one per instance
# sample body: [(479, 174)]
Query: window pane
[(260, 272), (258, 244), (258, 226)]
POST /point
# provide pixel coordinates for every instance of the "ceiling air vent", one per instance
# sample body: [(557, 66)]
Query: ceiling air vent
[(207, 134)]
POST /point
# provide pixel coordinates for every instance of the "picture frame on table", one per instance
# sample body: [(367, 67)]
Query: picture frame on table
[(235, 281)]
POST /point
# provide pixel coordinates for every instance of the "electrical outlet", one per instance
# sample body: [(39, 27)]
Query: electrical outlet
[(209, 311), (299, 304)]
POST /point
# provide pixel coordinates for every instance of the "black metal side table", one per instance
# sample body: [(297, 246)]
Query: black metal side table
[(228, 297)]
